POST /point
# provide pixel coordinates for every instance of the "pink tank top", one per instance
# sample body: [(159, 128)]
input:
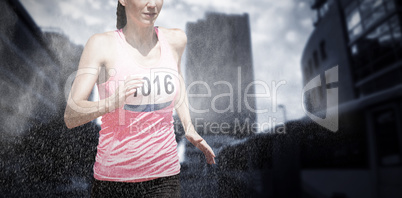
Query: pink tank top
[(137, 141)]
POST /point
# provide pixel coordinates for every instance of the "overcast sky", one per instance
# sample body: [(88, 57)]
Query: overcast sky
[(279, 31)]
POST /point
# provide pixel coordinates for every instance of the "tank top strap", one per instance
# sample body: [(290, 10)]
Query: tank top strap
[(165, 47), (162, 43), (160, 36), (120, 36), (120, 40)]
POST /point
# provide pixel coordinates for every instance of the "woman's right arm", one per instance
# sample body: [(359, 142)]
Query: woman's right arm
[(79, 110)]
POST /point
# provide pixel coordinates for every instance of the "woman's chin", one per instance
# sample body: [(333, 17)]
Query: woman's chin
[(148, 22)]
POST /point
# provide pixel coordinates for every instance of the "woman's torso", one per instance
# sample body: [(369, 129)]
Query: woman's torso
[(137, 141)]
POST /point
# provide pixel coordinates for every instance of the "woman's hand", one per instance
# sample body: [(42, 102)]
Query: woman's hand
[(124, 90), (201, 144)]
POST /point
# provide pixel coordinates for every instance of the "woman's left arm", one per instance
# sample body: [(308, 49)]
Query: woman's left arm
[(178, 41)]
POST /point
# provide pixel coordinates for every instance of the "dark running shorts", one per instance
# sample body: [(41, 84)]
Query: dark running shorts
[(160, 187)]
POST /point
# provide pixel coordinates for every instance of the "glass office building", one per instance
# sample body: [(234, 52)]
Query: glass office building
[(362, 38)]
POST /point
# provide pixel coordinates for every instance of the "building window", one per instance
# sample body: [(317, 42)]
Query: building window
[(354, 24), (378, 49), (323, 50), (373, 17), (316, 17), (396, 29), (353, 19), (315, 59), (369, 6), (321, 8), (310, 67), (363, 14), (354, 50)]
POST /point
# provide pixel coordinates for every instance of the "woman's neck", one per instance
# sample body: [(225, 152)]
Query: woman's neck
[(142, 38)]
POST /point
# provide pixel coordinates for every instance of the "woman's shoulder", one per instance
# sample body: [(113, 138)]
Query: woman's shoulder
[(101, 39), (175, 37)]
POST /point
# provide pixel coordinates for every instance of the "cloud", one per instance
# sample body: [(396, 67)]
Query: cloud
[(76, 12), (291, 37), (79, 19)]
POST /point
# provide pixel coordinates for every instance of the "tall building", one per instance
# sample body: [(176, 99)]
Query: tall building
[(219, 73), (26, 64), (33, 71), (363, 38), (38, 153)]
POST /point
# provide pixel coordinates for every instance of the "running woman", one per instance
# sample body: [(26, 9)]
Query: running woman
[(137, 71)]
